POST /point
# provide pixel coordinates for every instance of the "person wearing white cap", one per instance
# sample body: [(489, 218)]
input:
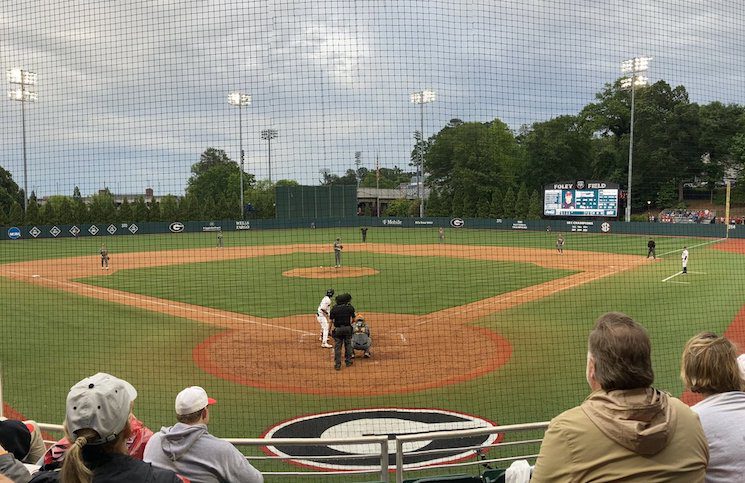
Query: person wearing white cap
[(189, 449), (97, 422)]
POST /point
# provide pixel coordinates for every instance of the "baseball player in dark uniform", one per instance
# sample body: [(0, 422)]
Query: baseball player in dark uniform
[(342, 316), (651, 246), (104, 252)]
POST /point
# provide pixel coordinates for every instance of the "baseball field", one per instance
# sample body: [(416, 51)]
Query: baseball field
[(489, 323)]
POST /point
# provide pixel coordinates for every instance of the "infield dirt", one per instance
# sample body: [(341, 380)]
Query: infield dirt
[(284, 354)]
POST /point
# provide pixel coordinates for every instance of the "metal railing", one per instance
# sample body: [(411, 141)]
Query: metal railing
[(517, 447)]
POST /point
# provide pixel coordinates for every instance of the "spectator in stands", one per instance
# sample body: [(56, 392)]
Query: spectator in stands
[(11, 467), (189, 448), (97, 421), (625, 429), (23, 439), (709, 367), (138, 438)]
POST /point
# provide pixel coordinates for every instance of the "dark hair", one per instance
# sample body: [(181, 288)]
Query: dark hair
[(343, 298), (709, 365), (190, 418), (622, 353)]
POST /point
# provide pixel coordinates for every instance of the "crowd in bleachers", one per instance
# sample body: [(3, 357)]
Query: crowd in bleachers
[(686, 216), (105, 442), (626, 429)]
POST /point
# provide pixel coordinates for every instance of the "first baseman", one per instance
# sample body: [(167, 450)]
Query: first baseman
[(323, 317)]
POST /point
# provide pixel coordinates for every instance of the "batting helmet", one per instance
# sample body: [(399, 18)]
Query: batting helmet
[(330, 292)]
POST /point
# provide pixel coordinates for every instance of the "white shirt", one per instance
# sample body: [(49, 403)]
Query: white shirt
[(324, 306), (684, 255), (723, 419)]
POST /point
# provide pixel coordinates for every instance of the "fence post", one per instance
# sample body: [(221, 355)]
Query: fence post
[(2, 404), (399, 461), (384, 461)]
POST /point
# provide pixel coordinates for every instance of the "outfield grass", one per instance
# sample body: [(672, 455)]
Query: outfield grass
[(256, 286), (20, 250), (53, 338)]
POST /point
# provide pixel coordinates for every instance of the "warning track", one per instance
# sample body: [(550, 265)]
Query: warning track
[(283, 354)]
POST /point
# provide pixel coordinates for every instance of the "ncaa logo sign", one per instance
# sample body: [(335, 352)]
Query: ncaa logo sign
[(457, 222), (388, 422), (14, 233), (176, 227)]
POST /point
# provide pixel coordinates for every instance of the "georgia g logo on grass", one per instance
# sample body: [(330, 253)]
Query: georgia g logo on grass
[(389, 422)]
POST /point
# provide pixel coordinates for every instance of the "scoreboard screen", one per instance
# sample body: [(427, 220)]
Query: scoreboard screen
[(581, 198)]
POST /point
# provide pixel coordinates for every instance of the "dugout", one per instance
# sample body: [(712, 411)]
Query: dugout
[(315, 201)]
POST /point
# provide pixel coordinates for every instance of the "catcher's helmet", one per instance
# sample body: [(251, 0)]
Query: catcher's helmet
[(330, 292)]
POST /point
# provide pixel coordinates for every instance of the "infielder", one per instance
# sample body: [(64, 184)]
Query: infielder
[(684, 259), (337, 252), (323, 317), (104, 257), (560, 244)]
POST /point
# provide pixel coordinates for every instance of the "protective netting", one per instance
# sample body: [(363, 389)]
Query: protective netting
[(127, 124)]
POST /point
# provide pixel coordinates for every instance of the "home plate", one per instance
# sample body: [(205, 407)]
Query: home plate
[(35, 276)]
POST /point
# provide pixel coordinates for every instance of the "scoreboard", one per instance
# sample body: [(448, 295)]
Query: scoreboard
[(581, 198)]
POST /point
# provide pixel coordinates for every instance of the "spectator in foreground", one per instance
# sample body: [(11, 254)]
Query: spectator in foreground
[(97, 422), (709, 367), (625, 430), (12, 468), (189, 448), (23, 439)]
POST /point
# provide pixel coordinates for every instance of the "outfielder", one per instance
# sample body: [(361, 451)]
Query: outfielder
[(323, 317), (684, 259), (560, 244)]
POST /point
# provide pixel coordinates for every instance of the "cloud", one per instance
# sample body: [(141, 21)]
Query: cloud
[(137, 90)]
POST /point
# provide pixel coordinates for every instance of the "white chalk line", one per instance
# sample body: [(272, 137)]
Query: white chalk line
[(672, 276), (676, 281), (164, 304), (693, 246)]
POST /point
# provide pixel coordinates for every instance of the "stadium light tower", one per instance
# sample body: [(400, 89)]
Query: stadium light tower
[(421, 97), (269, 134), (240, 99), (19, 79), (633, 69)]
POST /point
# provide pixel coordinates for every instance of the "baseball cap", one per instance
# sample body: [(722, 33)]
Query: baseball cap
[(191, 400), (102, 403), (15, 438)]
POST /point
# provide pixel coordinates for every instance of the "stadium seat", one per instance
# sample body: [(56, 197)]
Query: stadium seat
[(494, 476)]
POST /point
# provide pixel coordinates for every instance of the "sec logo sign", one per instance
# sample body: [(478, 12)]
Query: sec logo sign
[(605, 227), (457, 222)]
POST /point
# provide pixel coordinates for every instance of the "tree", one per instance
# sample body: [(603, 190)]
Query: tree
[(169, 208), (48, 215), (125, 211), (102, 208), (434, 206), (508, 204), (139, 210), (522, 202), (154, 211), (329, 179), (3, 217), (390, 178), (15, 215), (471, 158), (557, 150), (65, 212), (495, 205), (216, 174), (261, 197), (9, 191), (535, 206), (33, 215), (483, 208), (189, 208), (399, 207)]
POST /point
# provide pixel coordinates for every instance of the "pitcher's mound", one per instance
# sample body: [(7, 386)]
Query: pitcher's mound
[(330, 272)]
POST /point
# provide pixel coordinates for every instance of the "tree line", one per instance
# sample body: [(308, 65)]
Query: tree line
[(474, 169)]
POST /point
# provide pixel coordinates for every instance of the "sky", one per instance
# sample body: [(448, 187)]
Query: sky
[(130, 93)]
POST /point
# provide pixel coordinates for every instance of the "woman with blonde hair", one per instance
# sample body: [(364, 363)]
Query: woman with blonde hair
[(97, 424), (709, 367)]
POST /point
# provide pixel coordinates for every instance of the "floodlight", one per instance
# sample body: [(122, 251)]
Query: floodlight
[(423, 97), (239, 99)]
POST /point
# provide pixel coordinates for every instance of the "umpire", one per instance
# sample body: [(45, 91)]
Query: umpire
[(342, 316)]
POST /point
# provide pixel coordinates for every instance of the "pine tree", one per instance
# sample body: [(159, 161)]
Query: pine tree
[(508, 204), (535, 206), (15, 216), (154, 212), (125, 211), (139, 210), (482, 207), (521, 203), (48, 215), (495, 207), (33, 215), (169, 209)]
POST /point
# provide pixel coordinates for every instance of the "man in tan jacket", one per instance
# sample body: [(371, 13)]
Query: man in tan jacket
[(625, 430)]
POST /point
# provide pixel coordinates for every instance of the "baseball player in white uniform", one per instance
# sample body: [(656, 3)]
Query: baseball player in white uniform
[(684, 259), (323, 318)]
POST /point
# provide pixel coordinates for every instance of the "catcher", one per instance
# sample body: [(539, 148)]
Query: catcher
[(361, 340)]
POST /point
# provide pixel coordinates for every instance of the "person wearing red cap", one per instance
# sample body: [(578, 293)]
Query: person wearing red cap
[(190, 450)]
